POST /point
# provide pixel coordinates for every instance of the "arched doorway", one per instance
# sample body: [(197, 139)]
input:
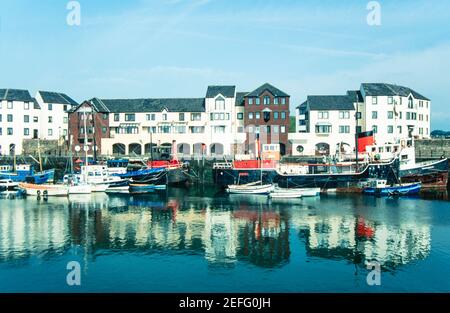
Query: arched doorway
[(118, 149), (135, 149), (184, 148), (322, 149), (216, 149), (198, 148)]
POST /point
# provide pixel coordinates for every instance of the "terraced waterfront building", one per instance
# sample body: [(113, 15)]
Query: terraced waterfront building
[(326, 125), (215, 125), (24, 118)]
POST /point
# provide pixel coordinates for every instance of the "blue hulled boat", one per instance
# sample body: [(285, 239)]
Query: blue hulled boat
[(381, 188), (26, 173)]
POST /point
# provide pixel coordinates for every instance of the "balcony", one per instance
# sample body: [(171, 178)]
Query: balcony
[(302, 128), (302, 117)]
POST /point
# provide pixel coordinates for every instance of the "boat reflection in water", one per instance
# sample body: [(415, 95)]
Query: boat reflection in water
[(226, 231)]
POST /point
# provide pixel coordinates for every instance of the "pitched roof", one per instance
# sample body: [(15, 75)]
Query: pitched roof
[(148, 105), (15, 95), (304, 104), (57, 98), (240, 98), (381, 89), (330, 103), (226, 91), (355, 93), (273, 90)]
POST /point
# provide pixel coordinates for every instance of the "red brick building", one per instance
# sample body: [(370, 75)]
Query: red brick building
[(267, 117), (97, 127)]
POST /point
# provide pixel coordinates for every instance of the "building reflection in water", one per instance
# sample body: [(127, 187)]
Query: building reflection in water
[(224, 230)]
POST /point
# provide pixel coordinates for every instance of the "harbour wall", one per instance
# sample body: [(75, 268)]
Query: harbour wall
[(432, 149)]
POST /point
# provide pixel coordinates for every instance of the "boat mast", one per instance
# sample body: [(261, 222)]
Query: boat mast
[(151, 146), (39, 155)]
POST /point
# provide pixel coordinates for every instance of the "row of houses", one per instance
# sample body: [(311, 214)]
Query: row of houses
[(225, 121)]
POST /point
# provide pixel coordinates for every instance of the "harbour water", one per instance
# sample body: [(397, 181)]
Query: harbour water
[(203, 241)]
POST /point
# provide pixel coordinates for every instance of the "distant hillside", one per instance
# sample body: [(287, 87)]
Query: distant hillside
[(440, 134)]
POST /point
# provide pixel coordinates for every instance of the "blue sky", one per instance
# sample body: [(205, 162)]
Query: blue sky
[(175, 48)]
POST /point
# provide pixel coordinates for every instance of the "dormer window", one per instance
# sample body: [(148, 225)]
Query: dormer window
[(220, 104), (410, 103)]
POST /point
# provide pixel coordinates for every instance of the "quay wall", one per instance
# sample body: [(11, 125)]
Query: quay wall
[(432, 148)]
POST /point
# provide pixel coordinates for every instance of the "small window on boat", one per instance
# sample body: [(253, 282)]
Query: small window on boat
[(374, 149), (388, 149), (90, 174), (381, 150), (404, 157)]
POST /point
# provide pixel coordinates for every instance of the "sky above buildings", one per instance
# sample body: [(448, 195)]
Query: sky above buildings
[(175, 48)]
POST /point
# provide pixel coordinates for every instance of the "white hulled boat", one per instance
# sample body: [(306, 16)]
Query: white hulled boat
[(44, 190), (252, 188)]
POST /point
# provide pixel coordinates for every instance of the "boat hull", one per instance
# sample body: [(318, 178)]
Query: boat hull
[(44, 190), (430, 174), (250, 190), (234, 176), (36, 178), (136, 189), (80, 189), (387, 171), (404, 190)]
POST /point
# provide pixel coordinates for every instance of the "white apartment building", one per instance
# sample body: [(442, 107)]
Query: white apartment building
[(54, 114), (19, 119), (326, 125), (24, 117), (196, 126)]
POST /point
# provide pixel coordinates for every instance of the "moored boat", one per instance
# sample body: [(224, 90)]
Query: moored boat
[(381, 188), (285, 193), (8, 185), (26, 173), (251, 188), (44, 190)]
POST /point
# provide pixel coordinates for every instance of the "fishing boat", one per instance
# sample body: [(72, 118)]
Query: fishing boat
[(256, 188), (381, 188), (98, 177), (44, 190), (431, 173), (26, 173), (177, 172)]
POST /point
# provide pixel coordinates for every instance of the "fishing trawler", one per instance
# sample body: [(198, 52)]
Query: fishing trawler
[(26, 173)]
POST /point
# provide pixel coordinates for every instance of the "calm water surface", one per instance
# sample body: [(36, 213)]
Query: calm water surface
[(201, 241)]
